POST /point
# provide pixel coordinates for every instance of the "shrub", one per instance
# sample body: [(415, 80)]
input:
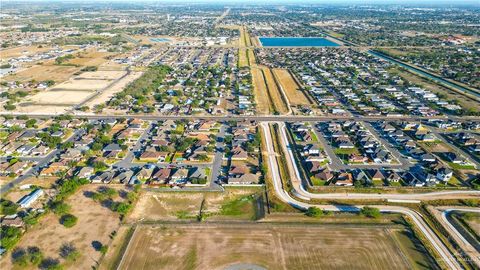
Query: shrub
[(68, 220), (104, 249), (314, 212), (370, 212), (69, 252), (60, 208)]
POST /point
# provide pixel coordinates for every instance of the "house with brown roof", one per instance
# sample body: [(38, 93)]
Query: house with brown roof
[(180, 176), (245, 179), (344, 179), (325, 175), (238, 153), (161, 176)]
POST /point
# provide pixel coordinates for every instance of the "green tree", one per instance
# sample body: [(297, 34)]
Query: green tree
[(10, 236)]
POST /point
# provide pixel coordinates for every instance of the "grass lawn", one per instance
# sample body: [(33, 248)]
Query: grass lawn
[(237, 207), (168, 159), (395, 184), (180, 128), (460, 166), (378, 183), (317, 182), (314, 136), (345, 151)]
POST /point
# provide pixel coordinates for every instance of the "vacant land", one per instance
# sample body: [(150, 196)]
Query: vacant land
[(44, 72), (251, 57), (90, 58), (473, 221), (244, 37), (274, 92), (118, 86), (167, 206), (83, 84), (265, 245), (242, 58), (60, 97), (293, 92), (23, 50), (95, 223), (101, 75), (234, 203), (42, 109), (261, 93)]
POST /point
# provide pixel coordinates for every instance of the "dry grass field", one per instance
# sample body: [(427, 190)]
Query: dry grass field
[(269, 246), (251, 57), (274, 92), (474, 222), (260, 92), (166, 206), (23, 50), (244, 38), (90, 58), (154, 206), (293, 92), (95, 223), (44, 72), (242, 58)]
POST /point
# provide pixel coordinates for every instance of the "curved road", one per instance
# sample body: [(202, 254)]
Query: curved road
[(464, 243), (437, 244)]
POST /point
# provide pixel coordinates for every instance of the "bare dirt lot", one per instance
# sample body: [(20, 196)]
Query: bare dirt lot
[(294, 94), (265, 245), (95, 223), (101, 74), (63, 97), (83, 84), (115, 88)]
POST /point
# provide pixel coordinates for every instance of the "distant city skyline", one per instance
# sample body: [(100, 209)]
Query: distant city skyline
[(248, 2)]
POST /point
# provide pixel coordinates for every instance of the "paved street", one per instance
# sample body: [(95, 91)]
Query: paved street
[(258, 117), (405, 163)]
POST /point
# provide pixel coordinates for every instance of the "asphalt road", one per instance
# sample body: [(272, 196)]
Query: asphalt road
[(442, 250), (255, 117), (218, 159)]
